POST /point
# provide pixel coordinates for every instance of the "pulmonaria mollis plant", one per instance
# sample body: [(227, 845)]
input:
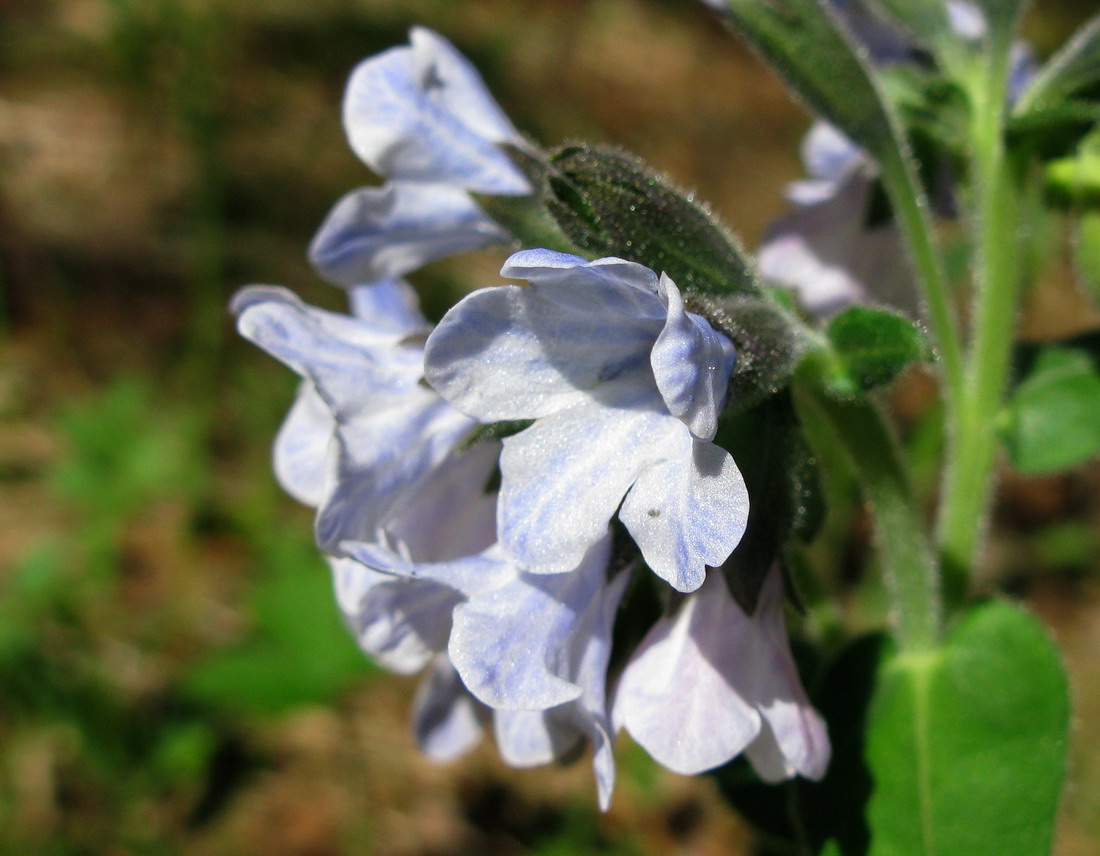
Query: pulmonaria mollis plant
[(583, 501)]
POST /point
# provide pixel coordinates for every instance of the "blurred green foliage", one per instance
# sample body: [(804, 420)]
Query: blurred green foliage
[(174, 676)]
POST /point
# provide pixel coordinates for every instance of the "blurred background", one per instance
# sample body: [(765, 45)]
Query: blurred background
[(174, 677)]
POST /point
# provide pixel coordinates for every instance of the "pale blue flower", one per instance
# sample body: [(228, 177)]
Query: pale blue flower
[(825, 249), (388, 441), (420, 116), (828, 249), (404, 625), (422, 113), (302, 444), (625, 387), (380, 233), (369, 445), (534, 648), (710, 683), (447, 720)]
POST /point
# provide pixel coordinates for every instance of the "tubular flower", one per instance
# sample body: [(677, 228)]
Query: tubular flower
[(711, 682), (389, 440), (826, 248), (624, 387), (835, 249), (352, 447), (420, 116), (533, 648)]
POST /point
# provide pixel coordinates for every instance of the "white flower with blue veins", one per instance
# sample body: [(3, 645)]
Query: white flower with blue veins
[(389, 441), (372, 448), (825, 249), (710, 682), (420, 116), (624, 386), (830, 249), (534, 648), (422, 113)]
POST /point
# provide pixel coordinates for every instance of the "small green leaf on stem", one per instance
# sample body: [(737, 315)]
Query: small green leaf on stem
[(875, 345)]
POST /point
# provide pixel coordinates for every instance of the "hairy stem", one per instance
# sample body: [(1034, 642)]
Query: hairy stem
[(971, 441), (858, 427)]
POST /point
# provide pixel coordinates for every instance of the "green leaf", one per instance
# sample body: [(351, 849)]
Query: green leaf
[(612, 204), (875, 345), (1070, 73), (1051, 422), (806, 43), (1055, 131), (966, 743), (1075, 180), (925, 20)]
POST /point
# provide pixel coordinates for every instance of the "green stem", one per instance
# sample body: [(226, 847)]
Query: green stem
[(911, 209), (858, 427), (971, 440)]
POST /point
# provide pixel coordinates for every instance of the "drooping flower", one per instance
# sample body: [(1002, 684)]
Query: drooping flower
[(827, 248), (390, 440), (373, 450), (420, 116), (839, 245), (624, 386), (404, 624), (711, 682), (534, 648), (381, 233), (422, 113), (412, 579)]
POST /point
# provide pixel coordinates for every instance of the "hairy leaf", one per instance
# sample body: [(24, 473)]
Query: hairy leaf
[(875, 345)]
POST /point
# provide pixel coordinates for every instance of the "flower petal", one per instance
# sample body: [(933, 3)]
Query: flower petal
[(470, 575), (826, 253), (795, 730), (389, 306), (447, 720), (352, 364), (384, 460), (528, 738), (829, 154), (520, 646), (677, 697), (691, 364), (520, 353), (688, 511), (563, 478), (402, 623), (383, 232), (453, 514), (422, 113), (302, 445)]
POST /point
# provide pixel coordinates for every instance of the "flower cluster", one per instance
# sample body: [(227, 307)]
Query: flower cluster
[(502, 565)]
